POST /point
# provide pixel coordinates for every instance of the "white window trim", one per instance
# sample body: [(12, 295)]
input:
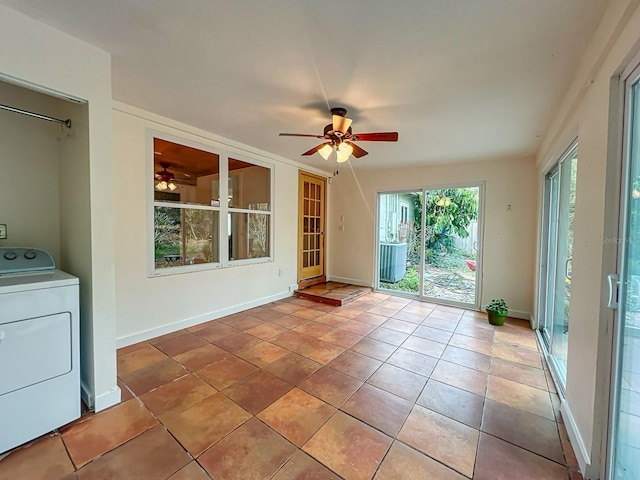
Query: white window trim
[(224, 209)]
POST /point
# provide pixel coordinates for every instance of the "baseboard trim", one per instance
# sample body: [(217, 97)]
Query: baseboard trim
[(579, 448), (127, 340), (108, 399), (101, 402), (350, 281), (521, 315)]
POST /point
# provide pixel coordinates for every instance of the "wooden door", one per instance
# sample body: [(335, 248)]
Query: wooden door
[(311, 225)]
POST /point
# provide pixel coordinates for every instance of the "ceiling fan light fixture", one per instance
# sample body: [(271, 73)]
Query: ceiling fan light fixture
[(341, 124), (162, 185), (325, 151), (343, 152), (172, 186)]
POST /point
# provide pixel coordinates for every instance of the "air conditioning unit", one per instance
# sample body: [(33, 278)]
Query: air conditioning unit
[(393, 261)]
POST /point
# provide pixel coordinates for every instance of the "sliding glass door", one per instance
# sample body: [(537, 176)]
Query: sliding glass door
[(624, 445), (559, 205), (429, 244)]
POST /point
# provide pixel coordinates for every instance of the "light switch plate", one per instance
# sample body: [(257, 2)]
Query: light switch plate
[(3, 231)]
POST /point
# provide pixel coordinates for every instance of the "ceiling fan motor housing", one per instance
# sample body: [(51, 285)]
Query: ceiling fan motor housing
[(340, 111), (334, 136)]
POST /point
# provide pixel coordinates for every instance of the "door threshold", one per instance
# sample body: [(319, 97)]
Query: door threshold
[(309, 282)]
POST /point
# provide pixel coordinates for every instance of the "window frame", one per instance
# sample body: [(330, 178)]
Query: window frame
[(223, 208)]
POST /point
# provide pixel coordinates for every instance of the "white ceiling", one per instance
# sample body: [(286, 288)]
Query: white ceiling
[(460, 80)]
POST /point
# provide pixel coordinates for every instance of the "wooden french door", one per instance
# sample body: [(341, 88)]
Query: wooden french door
[(311, 226)]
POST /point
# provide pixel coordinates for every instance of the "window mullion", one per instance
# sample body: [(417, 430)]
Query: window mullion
[(188, 206), (223, 240), (249, 210)]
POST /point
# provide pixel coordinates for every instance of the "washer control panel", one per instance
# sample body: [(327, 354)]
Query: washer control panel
[(23, 259)]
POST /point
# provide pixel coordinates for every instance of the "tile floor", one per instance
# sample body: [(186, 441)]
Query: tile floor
[(384, 388)]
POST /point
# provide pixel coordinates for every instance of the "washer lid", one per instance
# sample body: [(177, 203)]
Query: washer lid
[(23, 259), (26, 281)]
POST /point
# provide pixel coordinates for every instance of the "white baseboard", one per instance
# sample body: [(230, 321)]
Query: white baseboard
[(190, 322), (101, 402), (351, 281), (579, 448), (108, 399)]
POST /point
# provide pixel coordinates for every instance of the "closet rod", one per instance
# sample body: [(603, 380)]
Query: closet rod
[(66, 123)]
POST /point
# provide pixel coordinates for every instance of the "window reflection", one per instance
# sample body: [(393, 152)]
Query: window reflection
[(184, 236)]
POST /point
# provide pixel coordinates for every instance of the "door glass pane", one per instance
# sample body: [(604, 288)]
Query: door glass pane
[(551, 189), (311, 212), (560, 192), (626, 440), (399, 242), (564, 253), (311, 228), (451, 244)]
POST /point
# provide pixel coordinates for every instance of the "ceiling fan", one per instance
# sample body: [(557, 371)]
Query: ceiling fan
[(341, 138), (166, 178)]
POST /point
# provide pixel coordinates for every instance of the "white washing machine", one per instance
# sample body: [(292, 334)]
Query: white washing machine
[(39, 346)]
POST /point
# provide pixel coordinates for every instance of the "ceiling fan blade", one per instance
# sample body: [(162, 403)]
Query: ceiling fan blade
[(341, 124), (357, 151), (185, 181), (376, 137), (314, 149), (300, 135)]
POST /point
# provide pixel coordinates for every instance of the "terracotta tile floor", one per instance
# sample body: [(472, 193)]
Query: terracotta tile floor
[(383, 388)]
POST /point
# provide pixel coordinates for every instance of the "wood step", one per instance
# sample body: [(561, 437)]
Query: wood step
[(332, 293)]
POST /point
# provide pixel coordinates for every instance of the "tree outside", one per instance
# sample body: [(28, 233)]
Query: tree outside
[(184, 235)]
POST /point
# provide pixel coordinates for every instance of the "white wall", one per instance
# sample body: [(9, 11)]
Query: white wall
[(509, 235), (39, 55), (146, 306), (30, 171), (584, 113)]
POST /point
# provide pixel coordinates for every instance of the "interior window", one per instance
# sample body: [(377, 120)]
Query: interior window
[(189, 211)]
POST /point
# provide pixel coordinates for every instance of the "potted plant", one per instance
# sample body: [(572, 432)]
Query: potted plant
[(497, 311)]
